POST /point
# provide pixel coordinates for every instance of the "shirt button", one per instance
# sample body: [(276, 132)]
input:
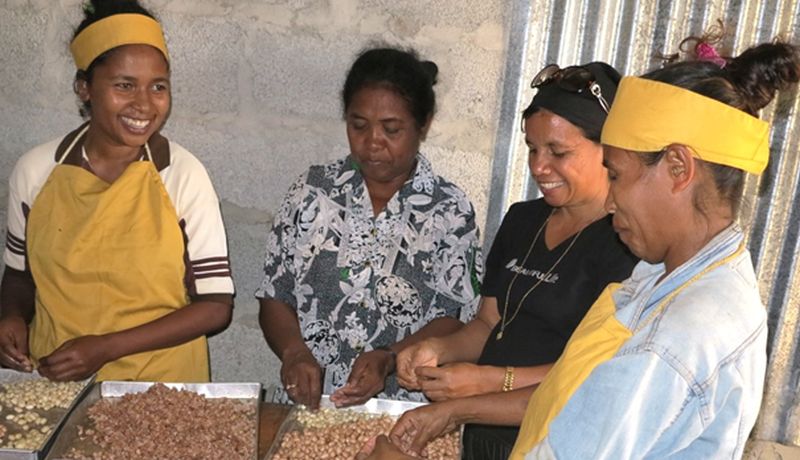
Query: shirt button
[(368, 263), (374, 231)]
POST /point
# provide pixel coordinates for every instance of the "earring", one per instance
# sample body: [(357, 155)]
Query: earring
[(79, 86)]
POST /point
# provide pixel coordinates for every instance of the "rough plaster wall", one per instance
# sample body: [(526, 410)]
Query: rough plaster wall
[(255, 87)]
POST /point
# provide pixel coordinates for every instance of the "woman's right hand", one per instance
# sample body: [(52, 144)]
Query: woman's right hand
[(420, 354), (14, 344), (418, 427), (301, 376)]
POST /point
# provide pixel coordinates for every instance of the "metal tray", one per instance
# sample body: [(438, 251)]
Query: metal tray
[(68, 436), (376, 406), (60, 416)]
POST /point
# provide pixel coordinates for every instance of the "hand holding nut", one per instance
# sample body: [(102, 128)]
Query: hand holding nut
[(76, 359), (421, 354), (418, 427), (14, 344)]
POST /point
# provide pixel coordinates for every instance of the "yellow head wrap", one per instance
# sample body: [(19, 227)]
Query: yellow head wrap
[(648, 115), (114, 31)]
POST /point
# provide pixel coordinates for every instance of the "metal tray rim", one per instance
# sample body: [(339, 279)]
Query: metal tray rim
[(113, 388), (11, 376)]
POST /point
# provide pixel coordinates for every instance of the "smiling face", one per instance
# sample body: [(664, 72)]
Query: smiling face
[(384, 137), (129, 95), (638, 198), (566, 165)]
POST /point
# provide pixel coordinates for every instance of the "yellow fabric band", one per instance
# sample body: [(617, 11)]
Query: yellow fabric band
[(114, 31), (648, 115)]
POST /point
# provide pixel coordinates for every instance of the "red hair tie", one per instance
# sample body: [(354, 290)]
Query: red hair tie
[(706, 52)]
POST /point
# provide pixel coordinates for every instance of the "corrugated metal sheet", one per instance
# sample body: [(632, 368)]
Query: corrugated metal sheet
[(629, 34)]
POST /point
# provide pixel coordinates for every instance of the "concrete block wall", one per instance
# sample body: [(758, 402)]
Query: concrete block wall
[(256, 97)]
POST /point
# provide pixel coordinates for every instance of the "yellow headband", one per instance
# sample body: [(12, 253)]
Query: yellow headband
[(114, 31), (648, 115)]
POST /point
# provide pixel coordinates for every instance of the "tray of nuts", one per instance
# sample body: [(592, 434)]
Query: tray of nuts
[(32, 410), (331, 433), (125, 420)]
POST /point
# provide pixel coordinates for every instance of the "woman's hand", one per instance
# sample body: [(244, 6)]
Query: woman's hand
[(366, 378), (381, 448), (14, 344), (416, 428), (76, 359), (452, 381), (421, 354), (301, 375)]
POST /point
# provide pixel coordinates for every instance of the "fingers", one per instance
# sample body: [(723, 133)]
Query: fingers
[(306, 391), (402, 430), (366, 449), (14, 347), (408, 360), (12, 358), (433, 383), (408, 384), (365, 380), (417, 427), (405, 432), (358, 389), (352, 398), (419, 442), (405, 370), (62, 365), (58, 373), (303, 383), (314, 384), (430, 373), (61, 373)]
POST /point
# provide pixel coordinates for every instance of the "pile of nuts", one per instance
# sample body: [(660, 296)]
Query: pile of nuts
[(29, 410), (167, 423), (337, 433)]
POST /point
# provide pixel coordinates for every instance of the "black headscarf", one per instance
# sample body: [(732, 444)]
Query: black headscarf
[(581, 109)]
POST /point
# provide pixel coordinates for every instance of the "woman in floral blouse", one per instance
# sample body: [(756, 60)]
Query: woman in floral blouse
[(370, 253)]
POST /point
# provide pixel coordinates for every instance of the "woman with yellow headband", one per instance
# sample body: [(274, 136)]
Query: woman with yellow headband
[(116, 256), (670, 363)]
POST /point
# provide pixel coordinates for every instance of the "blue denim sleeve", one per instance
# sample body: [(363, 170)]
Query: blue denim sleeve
[(633, 406)]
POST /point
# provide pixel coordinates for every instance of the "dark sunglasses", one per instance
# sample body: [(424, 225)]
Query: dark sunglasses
[(575, 79)]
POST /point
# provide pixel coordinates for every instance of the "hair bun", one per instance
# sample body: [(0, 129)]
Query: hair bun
[(431, 69), (762, 70), (105, 8)]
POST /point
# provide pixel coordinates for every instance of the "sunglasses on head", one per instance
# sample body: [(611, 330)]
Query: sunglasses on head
[(575, 79)]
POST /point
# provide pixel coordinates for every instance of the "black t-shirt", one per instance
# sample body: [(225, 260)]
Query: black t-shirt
[(552, 311)]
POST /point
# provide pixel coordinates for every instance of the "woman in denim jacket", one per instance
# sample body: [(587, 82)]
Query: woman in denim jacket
[(671, 363)]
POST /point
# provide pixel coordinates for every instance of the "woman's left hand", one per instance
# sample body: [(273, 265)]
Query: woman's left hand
[(366, 379), (451, 381), (76, 359), (381, 448)]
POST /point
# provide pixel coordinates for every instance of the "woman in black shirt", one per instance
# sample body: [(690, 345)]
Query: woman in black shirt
[(549, 261)]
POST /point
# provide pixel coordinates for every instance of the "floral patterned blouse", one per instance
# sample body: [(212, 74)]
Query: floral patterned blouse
[(359, 281)]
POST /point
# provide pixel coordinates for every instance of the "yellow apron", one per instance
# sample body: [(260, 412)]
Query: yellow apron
[(597, 339), (105, 258)]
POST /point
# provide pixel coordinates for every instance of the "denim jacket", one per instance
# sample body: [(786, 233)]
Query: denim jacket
[(687, 384)]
